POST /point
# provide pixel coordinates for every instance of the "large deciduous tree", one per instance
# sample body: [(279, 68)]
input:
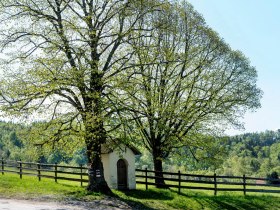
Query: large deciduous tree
[(185, 83), (60, 58)]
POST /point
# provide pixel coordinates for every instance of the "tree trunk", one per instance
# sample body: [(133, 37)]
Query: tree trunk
[(97, 182), (95, 136), (159, 181)]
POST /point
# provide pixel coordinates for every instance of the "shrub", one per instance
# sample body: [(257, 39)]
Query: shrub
[(273, 175)]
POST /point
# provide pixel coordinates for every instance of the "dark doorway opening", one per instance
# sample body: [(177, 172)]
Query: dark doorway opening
[(122, 174)]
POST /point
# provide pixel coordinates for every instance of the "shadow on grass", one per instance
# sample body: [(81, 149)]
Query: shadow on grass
[(191, 200), (135, 205), (236, 202), (229, 203), (135, 198), (149, 194), (199, 200), (85, 195), (126, 197)]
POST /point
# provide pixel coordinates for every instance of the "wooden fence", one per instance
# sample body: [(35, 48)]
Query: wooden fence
[(42, 170), (147, 177), (209, 182)]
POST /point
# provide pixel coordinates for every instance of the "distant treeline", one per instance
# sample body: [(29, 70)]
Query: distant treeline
[(255, 154), (17, 142)]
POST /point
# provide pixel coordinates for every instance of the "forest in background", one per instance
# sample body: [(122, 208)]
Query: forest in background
[(20, 142), (254, 154)]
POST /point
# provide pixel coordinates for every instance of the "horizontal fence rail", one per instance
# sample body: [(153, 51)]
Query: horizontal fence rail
[(147, 177), (43, 170), (208, 182)]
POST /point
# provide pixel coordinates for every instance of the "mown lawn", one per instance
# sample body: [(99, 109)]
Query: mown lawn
[(11, 186), (199, 200), (30, 188)]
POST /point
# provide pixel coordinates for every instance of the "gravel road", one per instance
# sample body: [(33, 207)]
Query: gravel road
[(8, 204), (11, 204)]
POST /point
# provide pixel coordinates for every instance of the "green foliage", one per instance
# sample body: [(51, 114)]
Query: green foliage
[(253, 154), (60, 64), (201, 158), (17, 142), (273, 175), (11, 145), (151, 68), (186, 86), (79, 157)]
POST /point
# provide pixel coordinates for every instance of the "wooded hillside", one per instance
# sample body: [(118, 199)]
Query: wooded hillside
[(255, 154)]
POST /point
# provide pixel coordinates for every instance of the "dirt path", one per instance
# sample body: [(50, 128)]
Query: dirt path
[(11, 204)]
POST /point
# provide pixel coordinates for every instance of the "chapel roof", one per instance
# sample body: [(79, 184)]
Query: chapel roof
[(112, 145)]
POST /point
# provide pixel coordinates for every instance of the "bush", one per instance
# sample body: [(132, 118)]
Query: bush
[(273, 175)]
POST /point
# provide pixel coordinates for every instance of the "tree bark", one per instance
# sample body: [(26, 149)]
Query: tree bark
[(97, 182), (159, 181), (94, 138)]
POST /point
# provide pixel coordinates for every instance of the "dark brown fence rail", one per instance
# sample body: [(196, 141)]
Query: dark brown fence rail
[(209, 182), (147, 177), (42, 170)]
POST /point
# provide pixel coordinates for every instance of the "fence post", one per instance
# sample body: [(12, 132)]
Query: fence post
[(2, 167), (179, 180), (55, 172), (215, 184), (39, 171), (244, 184), (146, 178), (20, 168), (81, 165)]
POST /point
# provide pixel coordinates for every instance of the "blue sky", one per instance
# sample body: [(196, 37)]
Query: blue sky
[(252, 26)]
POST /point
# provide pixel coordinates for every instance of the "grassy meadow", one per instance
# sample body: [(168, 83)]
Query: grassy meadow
[(11, 186)]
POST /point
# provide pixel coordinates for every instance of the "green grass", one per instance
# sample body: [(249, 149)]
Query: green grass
[(198, 200), (11, 186), (220, 186), (30, 188)]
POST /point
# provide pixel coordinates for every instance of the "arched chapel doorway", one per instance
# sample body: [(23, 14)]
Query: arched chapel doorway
[(122, 174)]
